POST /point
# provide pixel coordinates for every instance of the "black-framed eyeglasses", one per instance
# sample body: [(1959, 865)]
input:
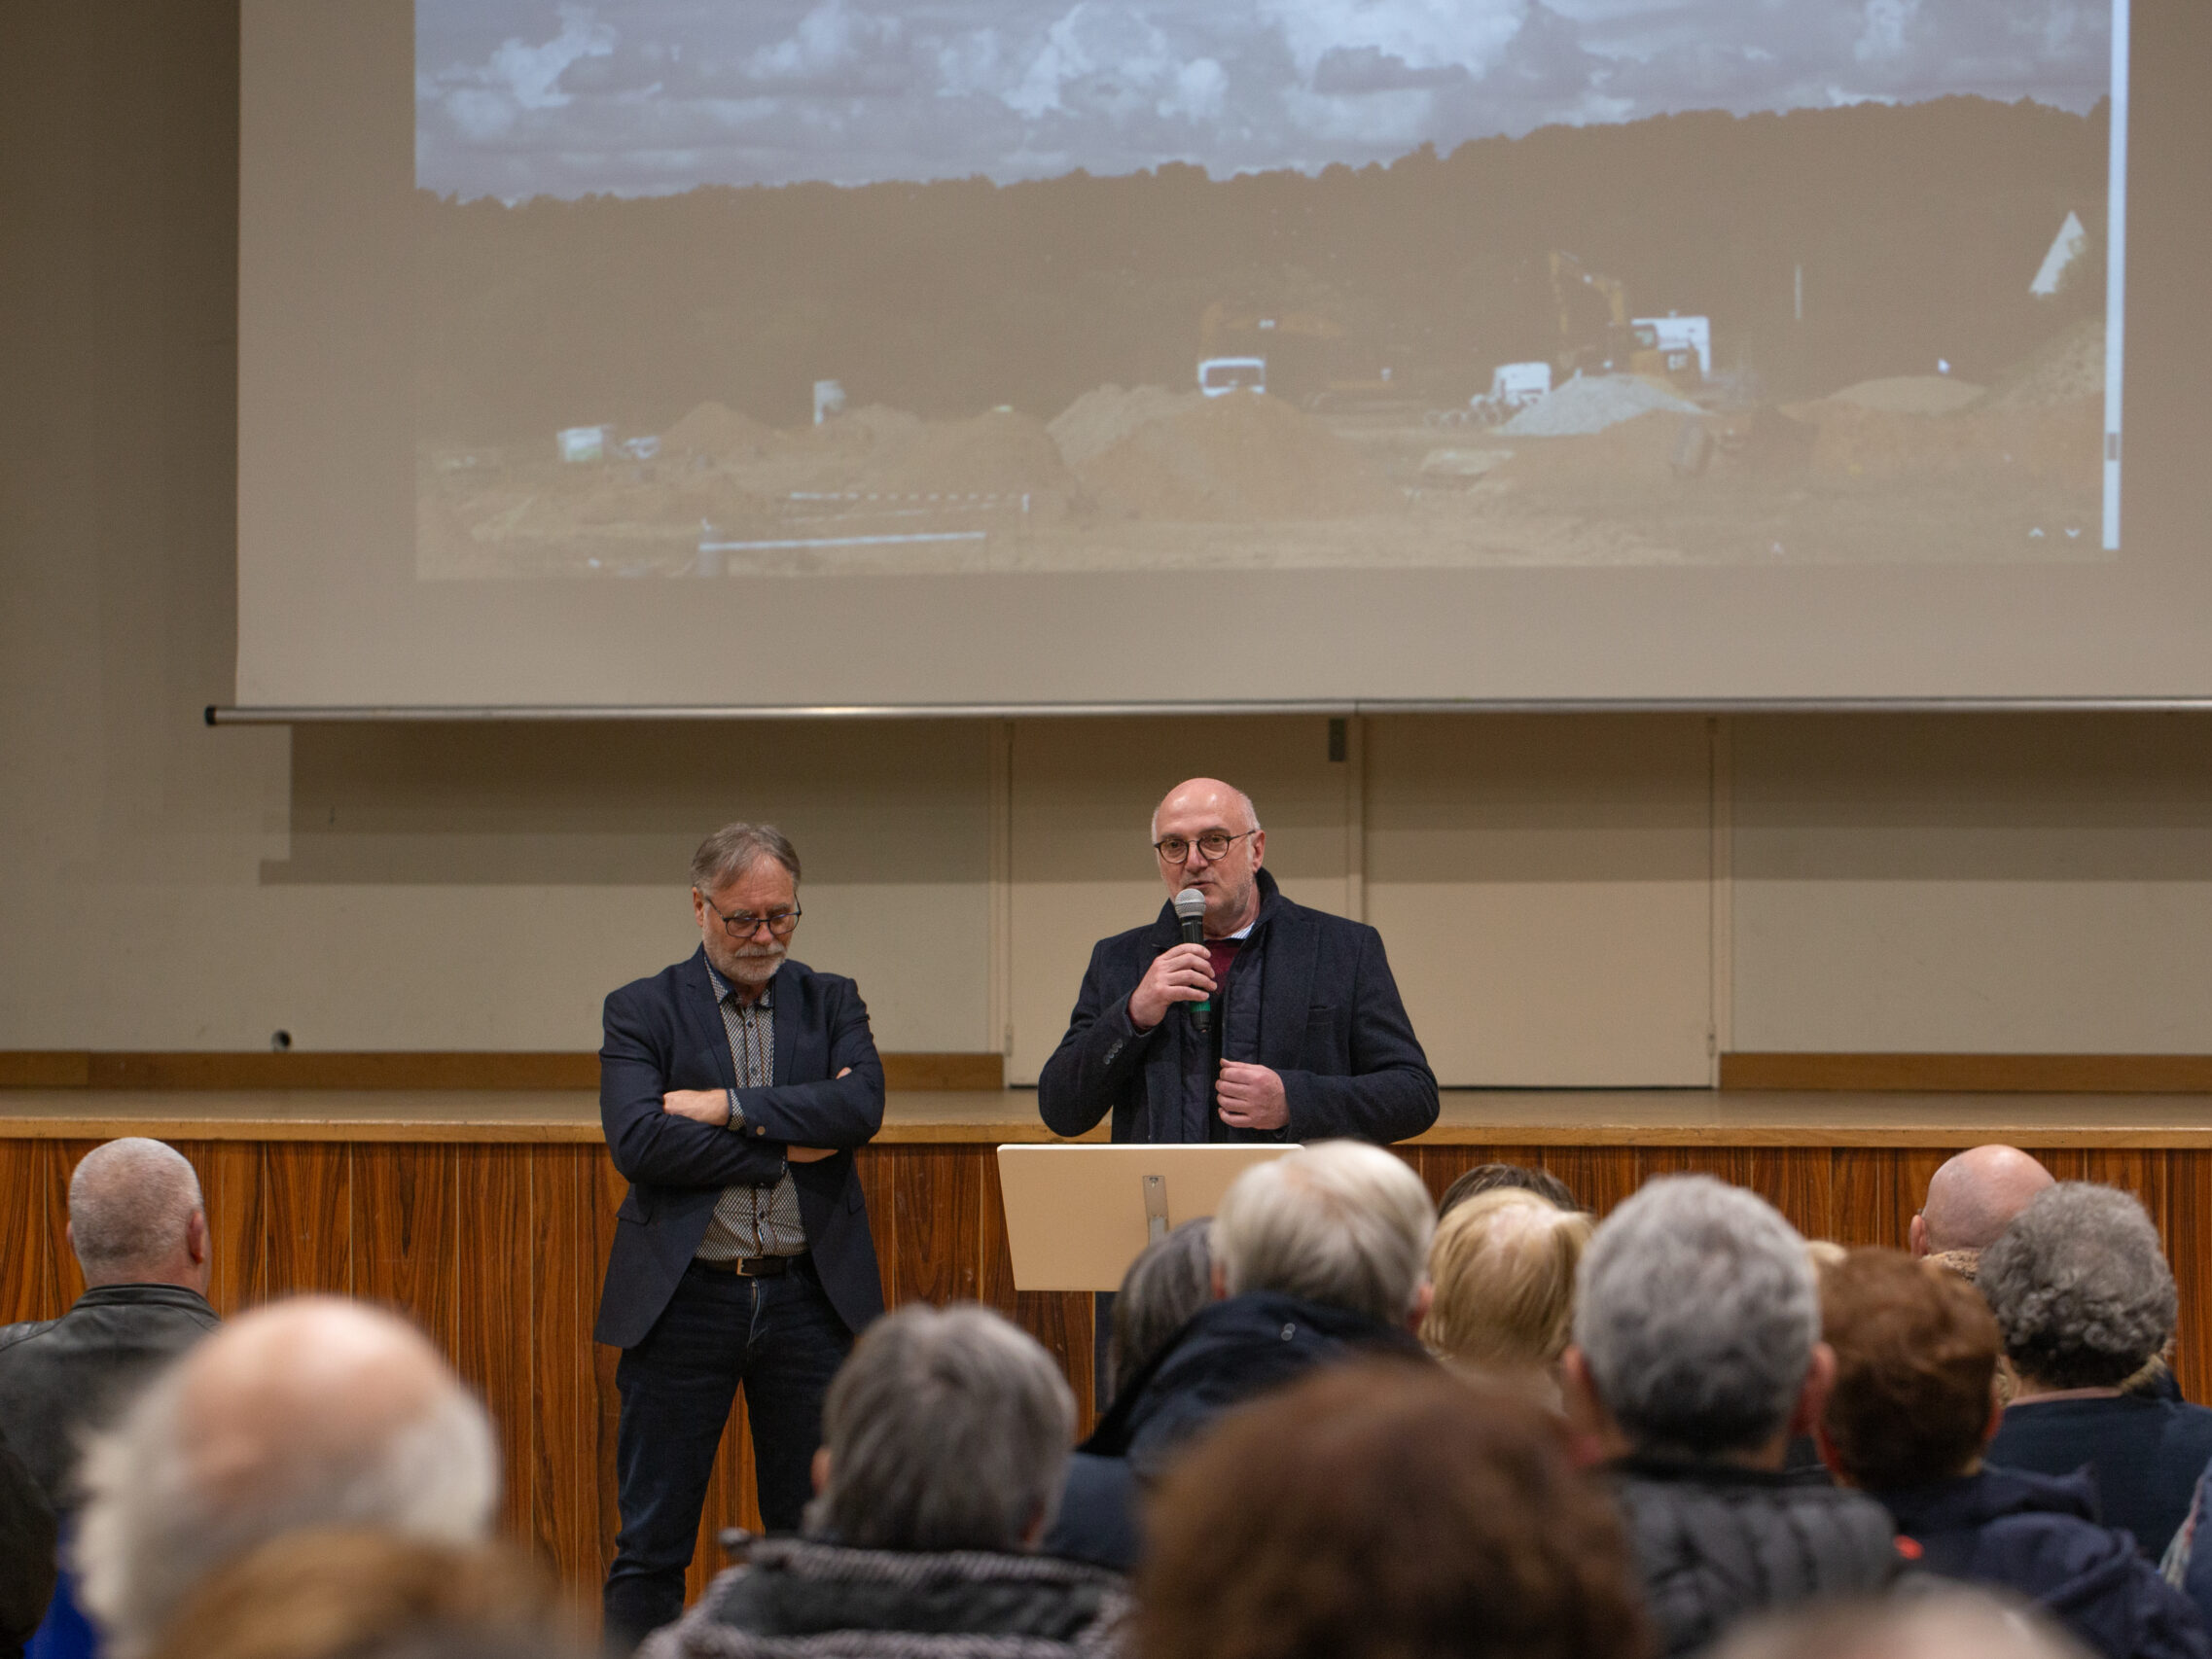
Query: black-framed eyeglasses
[(1214, 844), (745, 925)]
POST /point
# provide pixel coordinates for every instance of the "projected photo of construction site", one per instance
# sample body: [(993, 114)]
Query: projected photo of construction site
[(1112, 288)]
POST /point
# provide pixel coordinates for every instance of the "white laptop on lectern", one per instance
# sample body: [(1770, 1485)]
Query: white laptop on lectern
[(1076, 1217)]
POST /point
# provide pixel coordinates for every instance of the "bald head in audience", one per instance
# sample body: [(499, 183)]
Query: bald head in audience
[(1973, 1199), (135, 1217), (308, 1412)]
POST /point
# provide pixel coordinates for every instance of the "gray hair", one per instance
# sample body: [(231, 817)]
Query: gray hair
[(947, 1428), (1169, 1282), (1696, 1309), (2078, 1284), (1937, 1623), (1340, 1222), (164, 1511), (735, 848), (129, 1204)]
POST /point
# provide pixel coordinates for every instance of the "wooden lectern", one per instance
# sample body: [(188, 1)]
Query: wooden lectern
[(1076, 1217)]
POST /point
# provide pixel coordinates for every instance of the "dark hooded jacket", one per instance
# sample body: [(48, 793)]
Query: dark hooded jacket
[(805, 1598), (1227, 1353), (1714, 1543), (2038, 1536)]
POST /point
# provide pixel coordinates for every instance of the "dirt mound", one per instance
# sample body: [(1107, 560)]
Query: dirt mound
[(884, 424), (1591, 402), (1638, 452), (999, 453), (1243, 457), (2058, 443), (716, 430), (2069, 365), (1106, 414), (1911, 395)]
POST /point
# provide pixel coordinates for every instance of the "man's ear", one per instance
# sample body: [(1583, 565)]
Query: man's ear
[(196, 1237), (1996, 1409), (1220, 1282), (819, 1470), (1812, 1397), (1916, 1236), (1423, 1299), (1594, 1435), (1259, 847)]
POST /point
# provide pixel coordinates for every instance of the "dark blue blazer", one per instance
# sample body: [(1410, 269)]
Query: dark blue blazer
[(666, 1033), (1331, 1024)]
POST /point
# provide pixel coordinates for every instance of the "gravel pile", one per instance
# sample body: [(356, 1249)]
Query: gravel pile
[(1591, 402)]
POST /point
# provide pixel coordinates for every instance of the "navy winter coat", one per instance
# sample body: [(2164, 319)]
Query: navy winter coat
[(2039, 1537)]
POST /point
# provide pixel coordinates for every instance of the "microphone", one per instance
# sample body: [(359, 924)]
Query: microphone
[(1191, 913)]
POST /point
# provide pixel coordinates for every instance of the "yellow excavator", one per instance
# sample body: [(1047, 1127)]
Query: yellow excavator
[(1596, 335)]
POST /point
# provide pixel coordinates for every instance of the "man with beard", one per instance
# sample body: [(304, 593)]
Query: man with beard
[(734, 1087)]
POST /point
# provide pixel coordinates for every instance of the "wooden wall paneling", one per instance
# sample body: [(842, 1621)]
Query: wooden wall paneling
[(1798, 1182), (1599, 1177), (63, 1274), (24, 1244), (406, 1201), (2131, 1168), (2188, 1247), (1865, 1202), (495, 1241), (232, 1182), (563, 1254), (940, 1237), (308, 1219), (1912, 1168), (609, 1190), (878, 1189)]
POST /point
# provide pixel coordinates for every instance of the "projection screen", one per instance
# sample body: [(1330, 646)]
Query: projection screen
[(998, 354)]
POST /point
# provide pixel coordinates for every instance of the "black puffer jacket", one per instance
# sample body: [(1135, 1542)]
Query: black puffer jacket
[(801, 1599), (1714, 1543)]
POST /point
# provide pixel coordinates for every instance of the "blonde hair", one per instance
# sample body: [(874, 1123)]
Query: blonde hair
[(1504, 1264)]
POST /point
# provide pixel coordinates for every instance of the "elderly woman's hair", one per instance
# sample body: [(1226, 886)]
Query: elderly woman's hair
[(1698, 1313), (1916, 1360), (1169, 1282), (2080, 1288), (333, 1593), (1491, 1177), (1503, 1264), (1385, 1511), (947, 1428), (1339, 1222), (735, 848)]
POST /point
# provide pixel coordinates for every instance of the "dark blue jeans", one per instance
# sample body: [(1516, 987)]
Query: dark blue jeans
[(782, 1341)]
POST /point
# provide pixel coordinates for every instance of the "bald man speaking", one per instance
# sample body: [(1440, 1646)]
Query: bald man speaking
[(1302, 1037)]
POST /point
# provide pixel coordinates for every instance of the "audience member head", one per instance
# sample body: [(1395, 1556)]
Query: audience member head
[(2081, 1289), (136, 1218), (1915, 1400), (946, 1428), (340, 1593), (1169, 1282), (1935, 1624), (1503, 1265), (309, 1412), (1384, 1511), (1698, 1323), (1489, 1178), (1339, 1222), (1971, 1200)]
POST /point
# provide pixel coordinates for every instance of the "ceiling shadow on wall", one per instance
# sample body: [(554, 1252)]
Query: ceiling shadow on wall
[(619, 803)]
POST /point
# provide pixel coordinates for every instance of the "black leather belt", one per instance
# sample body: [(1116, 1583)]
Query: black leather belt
[(751, 1266)]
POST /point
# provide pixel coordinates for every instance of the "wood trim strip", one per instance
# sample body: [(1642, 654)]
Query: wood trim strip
[(134, 1068), (1971, 1074)]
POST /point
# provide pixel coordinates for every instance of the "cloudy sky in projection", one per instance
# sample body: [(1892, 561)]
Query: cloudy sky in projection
[(524, 97)]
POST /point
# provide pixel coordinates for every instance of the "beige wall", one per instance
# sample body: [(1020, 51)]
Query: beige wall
[(1545, 883)]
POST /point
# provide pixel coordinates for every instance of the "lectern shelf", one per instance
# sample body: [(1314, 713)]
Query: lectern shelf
[(1077, 1215)]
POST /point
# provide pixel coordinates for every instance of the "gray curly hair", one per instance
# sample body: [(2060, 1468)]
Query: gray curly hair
[(2081, 1289)]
